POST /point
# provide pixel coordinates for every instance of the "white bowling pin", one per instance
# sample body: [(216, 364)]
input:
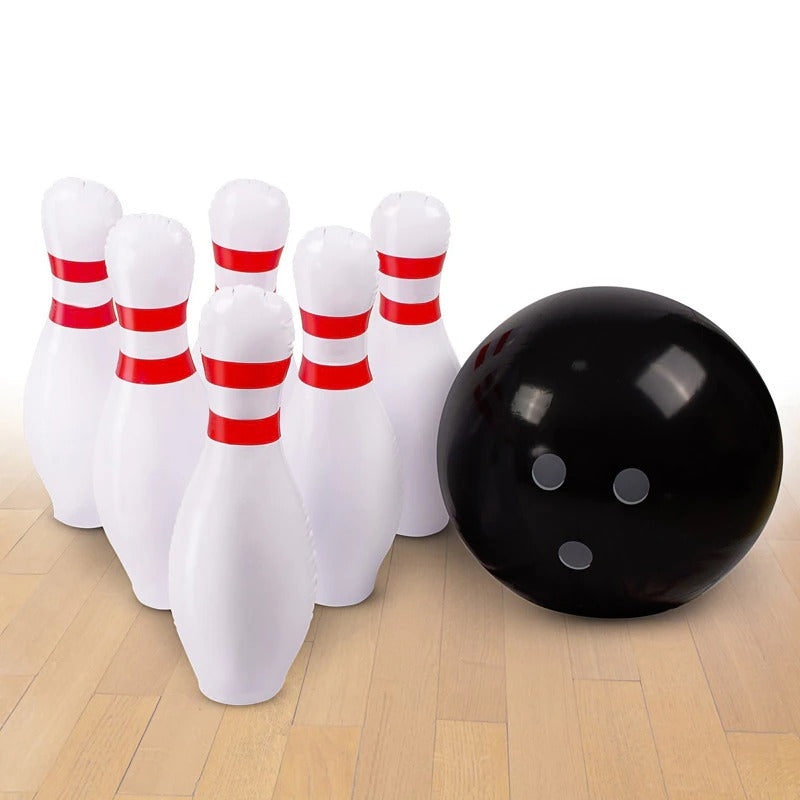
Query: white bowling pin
[(411, 357), (74, 360), (153, 422), (249, 222), (241, 562), (337, 437)]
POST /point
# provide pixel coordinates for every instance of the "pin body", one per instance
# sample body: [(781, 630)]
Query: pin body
[(241, 562), (74, 359), (152, 425), (412, 360), (338, 440)]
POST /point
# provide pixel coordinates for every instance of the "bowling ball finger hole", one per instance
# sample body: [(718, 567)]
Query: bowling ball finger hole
[(631, 486), (549, 471), (575, 555)]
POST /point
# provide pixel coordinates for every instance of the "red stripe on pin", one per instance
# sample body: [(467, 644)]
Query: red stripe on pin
[(334, 327), (244, 431), (246, 260), (410, 313), (148, 320), (241, 375), (411, 268), (155, 370), (79, 317), (78, 271), (335, 376)]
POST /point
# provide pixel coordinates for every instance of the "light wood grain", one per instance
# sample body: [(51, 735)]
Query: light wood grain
[(41, 546), (99, 749), (12, 687), (45, 716), (785, 520), (14, 592), (13, 524), (788, 556), (397, 742), (740, 677), (692, 748), (621, 759), (337, 679), (544, 740), (147, 657), (601, 649), (29, 493), (30, 637), (320, 761), (472, 683), (470, 761), (246, 754), (175, 746), (769, 764), (772, 613)]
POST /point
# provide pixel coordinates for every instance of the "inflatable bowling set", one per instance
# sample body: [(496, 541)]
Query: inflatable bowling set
[(237, 491)]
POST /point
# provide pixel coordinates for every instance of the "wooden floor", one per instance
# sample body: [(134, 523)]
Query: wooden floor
[(441, 685)]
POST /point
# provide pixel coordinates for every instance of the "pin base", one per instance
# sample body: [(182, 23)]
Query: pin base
[(227, 697), (151, 599), (81, 521), (342, 599)]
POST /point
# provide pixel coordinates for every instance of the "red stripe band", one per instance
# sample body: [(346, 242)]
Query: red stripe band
[(79, 317), (245, 260), (78, 271), (244, 431), (410, 313), (241, 375), (334, 327), (335, 376), (155, 370), (413, 268), (152, 319)]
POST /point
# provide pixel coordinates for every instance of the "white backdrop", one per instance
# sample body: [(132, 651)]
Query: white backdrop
[(655, 145)]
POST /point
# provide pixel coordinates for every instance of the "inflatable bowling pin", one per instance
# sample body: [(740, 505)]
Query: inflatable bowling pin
[(241, 563), (153, 423), (338, 439), (410, 354), (74, 360)]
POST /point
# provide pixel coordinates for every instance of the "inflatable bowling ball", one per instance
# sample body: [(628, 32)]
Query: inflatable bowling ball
[(609, 452)]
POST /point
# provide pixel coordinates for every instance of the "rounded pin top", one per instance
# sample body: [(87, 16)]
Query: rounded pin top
[(411, 225), (76, 218), (150, 261), (246, 324), (249, 215), (336, 272)]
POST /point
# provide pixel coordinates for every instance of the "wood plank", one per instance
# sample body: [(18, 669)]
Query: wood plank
[(246, 754), (769, 764), (29, 493), (12, 687), (30, 637), (471, 761), (147, 657), (621, 759), (319, 762), (601, 649), (177, 741), (472, 680), (99, 749), (397, 742), (17, 795), (42, 721), (312, 628), (691, 745), (148, 797), (337, 680), (41, 546), (544, 739), (772, 611), (13, 524), (788, 556), (741, 680), (14, 592)]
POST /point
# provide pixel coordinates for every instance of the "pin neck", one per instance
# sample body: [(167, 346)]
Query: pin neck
[(410, 289), (81, 295), (246, 260)]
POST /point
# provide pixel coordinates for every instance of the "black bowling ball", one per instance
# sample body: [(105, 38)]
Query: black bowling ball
[(609, 452)]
